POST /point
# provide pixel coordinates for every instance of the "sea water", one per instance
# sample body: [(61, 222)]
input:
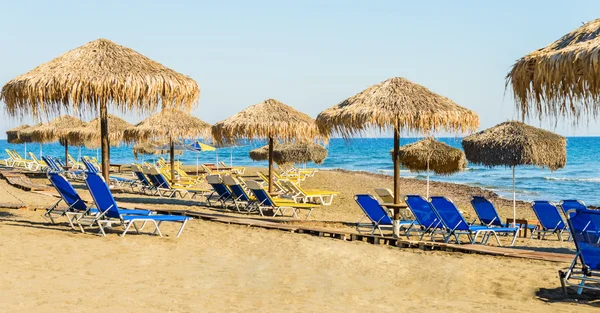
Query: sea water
[(579, 179)]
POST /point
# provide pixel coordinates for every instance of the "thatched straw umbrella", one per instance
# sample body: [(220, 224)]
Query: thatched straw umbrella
[(13, 136), (57, 130), (169, 124), (94, 76), (514, 143), (431, 155), (560, 79), (293, 152), (26, 135), (269, 120), (89, 134), (151, 148), (396, 104)]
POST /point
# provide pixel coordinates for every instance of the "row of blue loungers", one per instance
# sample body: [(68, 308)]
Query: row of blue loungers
[(105, 213), (435, 217)]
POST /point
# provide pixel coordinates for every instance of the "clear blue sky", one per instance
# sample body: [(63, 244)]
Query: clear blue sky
[(308, 54)]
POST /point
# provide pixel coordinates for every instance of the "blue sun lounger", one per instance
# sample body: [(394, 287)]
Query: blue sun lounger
[(238, 195), (456, 224), (110, 212), (143, 184), (488, 215), (118, 180), (568, 205), (221, 193), (550, 219), (377, 215), (427, 218), (585, 269), (77, 208), (52, 166)]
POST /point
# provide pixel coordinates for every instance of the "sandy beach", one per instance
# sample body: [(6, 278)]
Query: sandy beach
[(216, 267)]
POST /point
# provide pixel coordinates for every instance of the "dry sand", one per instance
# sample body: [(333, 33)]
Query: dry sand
[(215, 267)]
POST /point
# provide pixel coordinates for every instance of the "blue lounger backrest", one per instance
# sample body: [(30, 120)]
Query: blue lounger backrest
[(90, 167), (141, 177), (567, 205), (449, 213), (162, 181), (263, 197), (585, 229), (53, 166), (66, 191), (221, 190), (486, 211), (59, 162), (102, 196), (154, 180), (548, 215), (238, 192), (423, 211), (373, 209)]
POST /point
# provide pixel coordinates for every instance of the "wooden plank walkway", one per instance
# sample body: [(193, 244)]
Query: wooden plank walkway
[(348, 235), (19, 180)]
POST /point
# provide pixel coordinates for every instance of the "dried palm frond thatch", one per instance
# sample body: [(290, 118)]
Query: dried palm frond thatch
[(561, 79), (99, 72), (432, 155), (514, 143), (268, 119), (89, 135), (26, 135), (151, 148), (292, 152), (13, 134), (167, 124), (93, 77), (55, 130), (396, 102)]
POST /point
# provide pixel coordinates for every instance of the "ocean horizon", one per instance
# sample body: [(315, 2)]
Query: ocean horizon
[(579, 179)]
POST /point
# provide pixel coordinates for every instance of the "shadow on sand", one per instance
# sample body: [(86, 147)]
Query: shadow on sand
[(556, 295)]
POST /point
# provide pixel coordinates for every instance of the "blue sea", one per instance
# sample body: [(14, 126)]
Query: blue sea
[(580, 179)]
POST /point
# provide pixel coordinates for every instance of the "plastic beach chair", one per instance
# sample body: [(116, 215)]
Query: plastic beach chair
[(568, 205), (238, 195), (110, 212), (265, 201), (550, 219), (584, 271), (377, 215), (221, 193), (488, 215), (456, 224), (169, 190), (76, 207), (427, 218)]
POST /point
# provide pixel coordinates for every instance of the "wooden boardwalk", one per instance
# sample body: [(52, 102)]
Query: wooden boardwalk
[(19, 180), (348, 235)]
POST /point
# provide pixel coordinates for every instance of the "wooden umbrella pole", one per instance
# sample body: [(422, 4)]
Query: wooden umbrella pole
[(270, 164), (66, 142), (396, 220), (104, 144), (172, 155), (396, 165)]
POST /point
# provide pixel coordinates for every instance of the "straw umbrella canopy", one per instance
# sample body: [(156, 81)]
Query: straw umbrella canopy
[(89, 135), (94, 76), (26, 135), (560, 79), (296, 152), (14, 136), (431, 155), (57, 130), (168, 124), (515, 143), (396, 104), (271, 120), (151, 148)]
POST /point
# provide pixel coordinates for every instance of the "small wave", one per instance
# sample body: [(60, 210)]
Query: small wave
[(586, 180)]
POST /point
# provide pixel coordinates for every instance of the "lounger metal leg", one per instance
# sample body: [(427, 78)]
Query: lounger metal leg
[(157, 230), (181, 229), (126, 229), (137, 230)]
